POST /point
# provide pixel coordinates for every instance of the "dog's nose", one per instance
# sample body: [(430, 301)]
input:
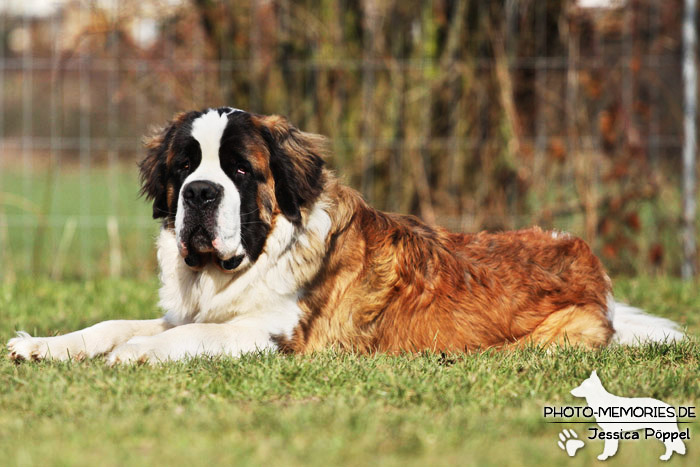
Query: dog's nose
[(200, 193)]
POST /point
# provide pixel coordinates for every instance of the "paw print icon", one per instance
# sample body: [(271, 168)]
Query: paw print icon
[(569, 442)]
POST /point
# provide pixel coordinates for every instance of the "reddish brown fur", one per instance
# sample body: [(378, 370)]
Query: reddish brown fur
[(390, 283)]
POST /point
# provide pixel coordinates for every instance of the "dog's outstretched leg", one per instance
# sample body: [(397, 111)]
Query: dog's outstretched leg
[(86, 343)]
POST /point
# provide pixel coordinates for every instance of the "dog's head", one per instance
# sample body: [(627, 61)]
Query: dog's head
[(589, 386), (220, 178)]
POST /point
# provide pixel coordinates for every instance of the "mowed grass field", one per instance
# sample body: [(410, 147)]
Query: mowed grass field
[(478, 409), (69, 222)]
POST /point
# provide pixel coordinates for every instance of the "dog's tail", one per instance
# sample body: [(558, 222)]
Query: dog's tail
[(634, 327)]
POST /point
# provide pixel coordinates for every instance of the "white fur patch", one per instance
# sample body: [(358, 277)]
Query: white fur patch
[(557, 234), (207, 130), (634, 327), (263, 295)]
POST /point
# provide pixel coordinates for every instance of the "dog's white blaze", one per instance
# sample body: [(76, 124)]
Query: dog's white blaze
[(208, 130)]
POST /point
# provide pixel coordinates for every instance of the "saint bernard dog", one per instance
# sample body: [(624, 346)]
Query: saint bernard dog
[(262, 248)]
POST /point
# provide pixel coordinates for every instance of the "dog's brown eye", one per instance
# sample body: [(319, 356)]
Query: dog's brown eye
[(240, 172), (186, 166)]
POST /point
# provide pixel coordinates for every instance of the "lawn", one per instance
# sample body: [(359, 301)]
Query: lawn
[(329, 408), (73, 223)]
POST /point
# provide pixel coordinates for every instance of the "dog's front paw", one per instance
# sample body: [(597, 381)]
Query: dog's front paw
[(26, 347), (132, 352)]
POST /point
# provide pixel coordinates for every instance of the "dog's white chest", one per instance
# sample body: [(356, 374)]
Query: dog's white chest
[(263, 293)]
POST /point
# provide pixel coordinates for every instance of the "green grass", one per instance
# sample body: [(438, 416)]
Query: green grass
[(38, 206), (479, 409)]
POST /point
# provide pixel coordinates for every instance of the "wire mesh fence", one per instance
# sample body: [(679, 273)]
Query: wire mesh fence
[(469, 114)]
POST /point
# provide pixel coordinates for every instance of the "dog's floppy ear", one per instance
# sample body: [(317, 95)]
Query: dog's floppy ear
[(154, 166), (296, 164)]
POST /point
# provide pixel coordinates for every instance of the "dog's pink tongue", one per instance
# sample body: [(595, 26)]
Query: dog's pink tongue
[(182, 248)]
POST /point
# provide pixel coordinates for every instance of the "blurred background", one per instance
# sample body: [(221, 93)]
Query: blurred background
[(470, 114)]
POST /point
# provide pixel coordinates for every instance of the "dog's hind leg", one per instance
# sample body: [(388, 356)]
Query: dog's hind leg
[(679, 446), (676, 445), (584, 325), (669, 451)]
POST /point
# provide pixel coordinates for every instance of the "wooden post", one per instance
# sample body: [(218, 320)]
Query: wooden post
[(689, 142)]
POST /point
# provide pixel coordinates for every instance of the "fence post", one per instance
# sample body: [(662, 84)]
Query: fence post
[(689, 141)]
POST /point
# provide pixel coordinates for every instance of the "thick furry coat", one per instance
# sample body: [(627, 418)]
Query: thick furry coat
[(262, 248)]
